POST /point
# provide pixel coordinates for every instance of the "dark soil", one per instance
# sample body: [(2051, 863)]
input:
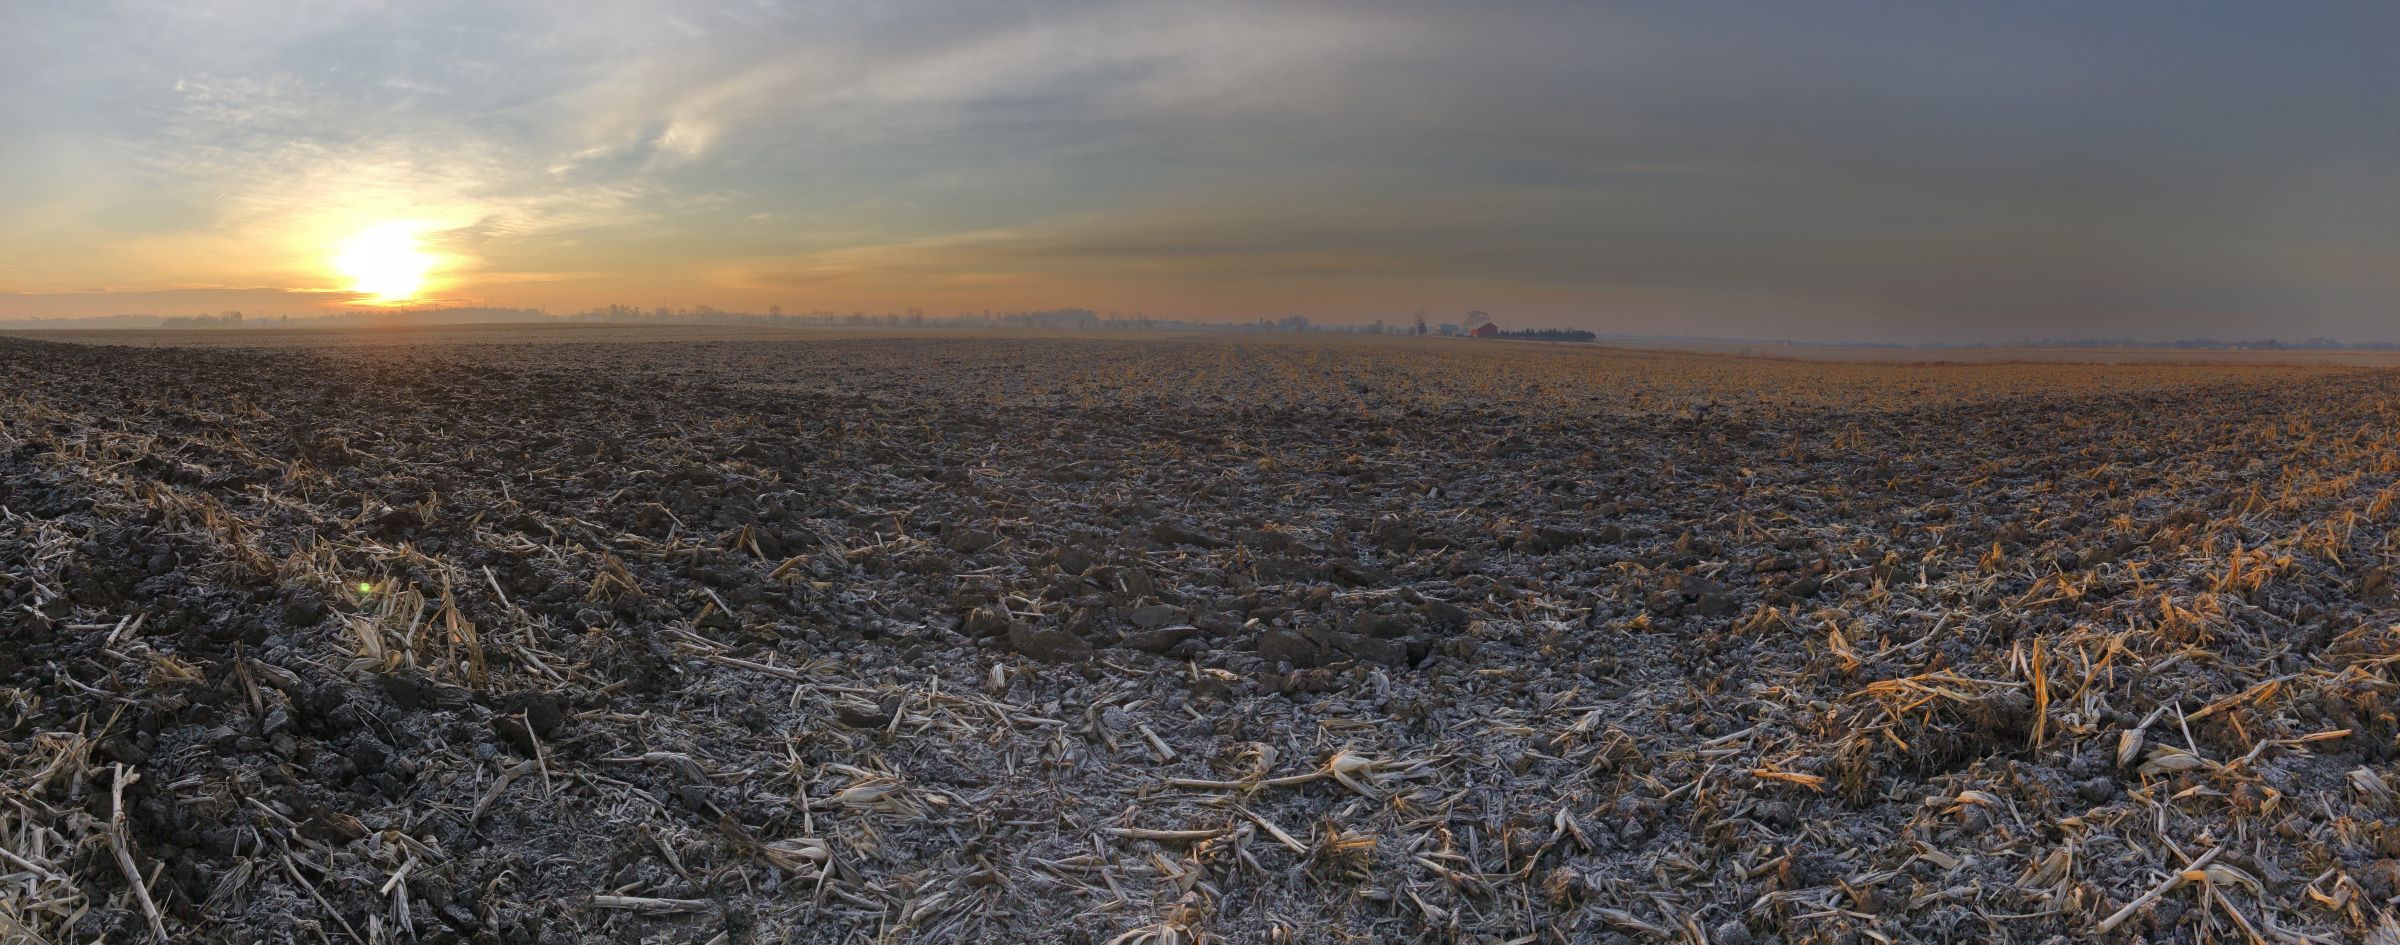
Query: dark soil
[(1009, 639)]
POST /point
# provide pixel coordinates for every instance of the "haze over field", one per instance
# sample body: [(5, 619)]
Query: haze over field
[(1830, 170)]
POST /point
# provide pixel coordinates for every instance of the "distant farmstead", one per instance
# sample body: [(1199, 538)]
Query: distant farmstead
[(1486, 330)]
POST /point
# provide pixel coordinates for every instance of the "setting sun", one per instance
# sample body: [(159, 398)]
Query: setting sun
[(384, 262)]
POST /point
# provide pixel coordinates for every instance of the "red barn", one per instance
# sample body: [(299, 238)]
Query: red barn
[(1486, 330)]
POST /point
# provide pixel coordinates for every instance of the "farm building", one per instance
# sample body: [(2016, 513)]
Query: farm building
[(1486, 330)]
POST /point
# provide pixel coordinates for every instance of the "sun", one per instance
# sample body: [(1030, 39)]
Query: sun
[(385, 263)]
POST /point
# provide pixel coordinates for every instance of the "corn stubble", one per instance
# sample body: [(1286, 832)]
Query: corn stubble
[(1189, 640)]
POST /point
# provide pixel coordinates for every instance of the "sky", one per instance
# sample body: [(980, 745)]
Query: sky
[(1895, 171)]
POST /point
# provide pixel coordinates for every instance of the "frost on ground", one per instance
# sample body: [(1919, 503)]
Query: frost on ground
[(1009, 638)]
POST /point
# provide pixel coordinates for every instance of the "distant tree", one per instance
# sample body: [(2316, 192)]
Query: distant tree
[(1420, 320), (1550, 334)]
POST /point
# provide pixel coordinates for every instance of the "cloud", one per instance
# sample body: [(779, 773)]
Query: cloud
[(165, 301), (1845, 169)]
